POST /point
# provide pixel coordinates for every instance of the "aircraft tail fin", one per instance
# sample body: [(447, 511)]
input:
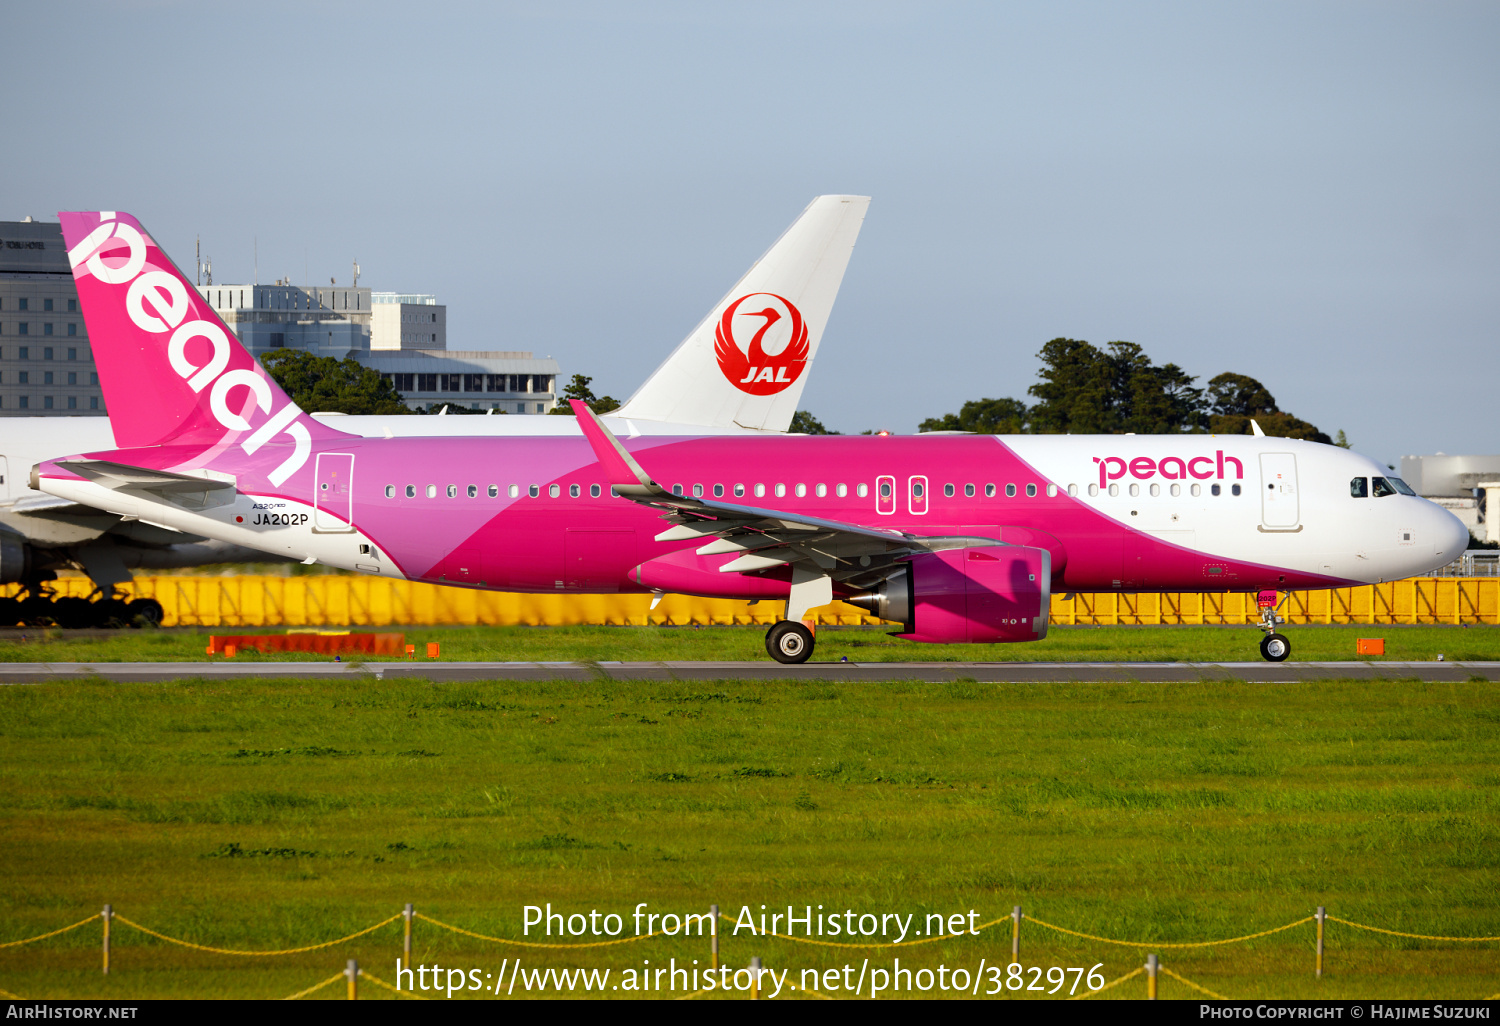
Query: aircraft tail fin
[(172, 373), (747, 362)]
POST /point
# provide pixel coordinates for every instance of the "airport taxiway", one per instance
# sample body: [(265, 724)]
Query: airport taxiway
[(1010, 673)]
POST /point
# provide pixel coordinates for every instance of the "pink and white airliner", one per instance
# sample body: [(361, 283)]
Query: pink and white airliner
[(959, 538)]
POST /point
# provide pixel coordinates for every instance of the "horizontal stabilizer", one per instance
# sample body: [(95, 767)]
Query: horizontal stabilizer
[(182, 490)]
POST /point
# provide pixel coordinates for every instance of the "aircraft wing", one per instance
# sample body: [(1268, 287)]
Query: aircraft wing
[(850, 554), (185, 491)]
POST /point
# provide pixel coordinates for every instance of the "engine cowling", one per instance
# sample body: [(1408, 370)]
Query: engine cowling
[(985, 594)]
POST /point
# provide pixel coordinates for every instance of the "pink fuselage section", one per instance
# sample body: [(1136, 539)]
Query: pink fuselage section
[(586, 543)]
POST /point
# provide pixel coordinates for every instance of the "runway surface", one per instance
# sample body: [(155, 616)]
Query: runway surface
[(1018, 673)]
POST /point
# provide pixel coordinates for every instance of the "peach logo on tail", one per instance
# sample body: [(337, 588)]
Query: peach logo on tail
[(761, 343)]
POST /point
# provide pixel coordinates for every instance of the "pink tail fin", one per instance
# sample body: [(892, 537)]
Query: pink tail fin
[(171, 371)]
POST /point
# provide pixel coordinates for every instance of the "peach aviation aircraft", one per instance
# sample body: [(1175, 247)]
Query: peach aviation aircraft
[(957, 538)]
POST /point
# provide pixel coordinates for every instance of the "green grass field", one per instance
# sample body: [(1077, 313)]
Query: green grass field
[(268, 814), (859, 644)]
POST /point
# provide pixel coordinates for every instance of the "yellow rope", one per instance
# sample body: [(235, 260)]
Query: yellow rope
[(54, 933), (1162, 944), (315, 987), (394, 990), (1417, 936), (1112, 983), (529, 944), (1190, 983), (230, 951), (872, 944)]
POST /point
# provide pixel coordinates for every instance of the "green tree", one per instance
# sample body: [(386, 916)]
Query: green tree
[(321, 384), (984, 417), (578, 388), (1236, 398), (1087, 390), (1342, 440), (804, 423)]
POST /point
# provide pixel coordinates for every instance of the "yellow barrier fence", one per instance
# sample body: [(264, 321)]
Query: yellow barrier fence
[(353, 973), (338, 600)]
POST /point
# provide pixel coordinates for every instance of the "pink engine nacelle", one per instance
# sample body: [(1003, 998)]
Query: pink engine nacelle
[(988, 594)]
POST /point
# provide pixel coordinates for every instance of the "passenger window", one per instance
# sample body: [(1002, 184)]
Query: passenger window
[(1382, 487), (553, 491), (495, 491), (1093, 489), (841, 490), (514, 491), (1010, 491), (718, 491), (821, 491), (968, 491), (1177, 489), (1359, 488), (534, 491), (760, 491), (677, 489), (1051, 490), (885, 490), (411, 491), (432, 491), (574, 491), (1233, 489), (801, 490), (697, 491), (739, 491), (473, 491), (1072, 489), (453, 491), (1114, 489), (390, 491), (1197, 489), (1215, 489), (989, 491), (917, 490), (1156, 489), (594, 491), (1135, 489), (1031, 491), (862, 490), (780, 490), (948, 491)]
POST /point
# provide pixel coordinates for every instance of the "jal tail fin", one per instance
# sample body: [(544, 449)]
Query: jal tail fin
[(748, 361), (172, 372)]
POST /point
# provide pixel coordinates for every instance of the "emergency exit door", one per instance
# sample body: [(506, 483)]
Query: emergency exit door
[(333, 492), (1278, 491)]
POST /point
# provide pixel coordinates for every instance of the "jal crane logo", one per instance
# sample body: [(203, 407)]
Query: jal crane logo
[(776, 352)]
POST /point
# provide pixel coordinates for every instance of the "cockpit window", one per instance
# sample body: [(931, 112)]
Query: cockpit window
[(1401, 486), (1359, 488), (1383, 487)]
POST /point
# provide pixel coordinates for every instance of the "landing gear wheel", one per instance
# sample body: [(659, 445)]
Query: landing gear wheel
[(789, 642), (1275, 648), (145, 612)]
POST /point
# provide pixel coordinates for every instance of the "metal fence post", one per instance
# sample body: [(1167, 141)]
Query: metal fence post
[(352, 971), (713, 932), (755, 978), (1151, 966), (1322, 914), (1015, 935), (107, 915), (406, 940)]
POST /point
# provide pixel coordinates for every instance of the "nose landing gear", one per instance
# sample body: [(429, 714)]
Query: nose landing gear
[(1274, 648)]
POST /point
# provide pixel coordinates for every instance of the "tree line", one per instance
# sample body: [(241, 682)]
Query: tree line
[(1085, 390)]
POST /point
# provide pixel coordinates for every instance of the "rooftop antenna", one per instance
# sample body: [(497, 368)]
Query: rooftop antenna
[(198, 256), (257, 259), (208, 270), (356, 274)]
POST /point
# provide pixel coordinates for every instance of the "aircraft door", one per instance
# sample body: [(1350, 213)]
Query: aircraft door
[(333, 492), (1278, 491), (5, 490), (885, 495), (916, 496)]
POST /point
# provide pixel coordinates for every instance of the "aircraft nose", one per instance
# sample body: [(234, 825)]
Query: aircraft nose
[(1450, 537)]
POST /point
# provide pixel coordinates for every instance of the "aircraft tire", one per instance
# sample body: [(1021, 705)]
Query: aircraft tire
[(1275, 648), (73, 613), (789, 642), (145, 612), (10, 612)]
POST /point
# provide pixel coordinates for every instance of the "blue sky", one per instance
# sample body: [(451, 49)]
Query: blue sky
[(1303, 192)]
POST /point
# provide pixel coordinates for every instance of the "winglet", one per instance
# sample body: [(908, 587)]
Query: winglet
[(624, 473)]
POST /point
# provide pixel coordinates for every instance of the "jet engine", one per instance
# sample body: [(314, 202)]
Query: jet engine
[(991, 593)]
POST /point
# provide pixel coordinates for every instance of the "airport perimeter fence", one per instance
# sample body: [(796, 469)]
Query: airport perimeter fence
[(1012, 980), (338, 601)]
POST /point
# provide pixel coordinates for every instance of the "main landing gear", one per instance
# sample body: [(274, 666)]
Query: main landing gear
[(39, 608), (789, 642), (1274, 648)]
